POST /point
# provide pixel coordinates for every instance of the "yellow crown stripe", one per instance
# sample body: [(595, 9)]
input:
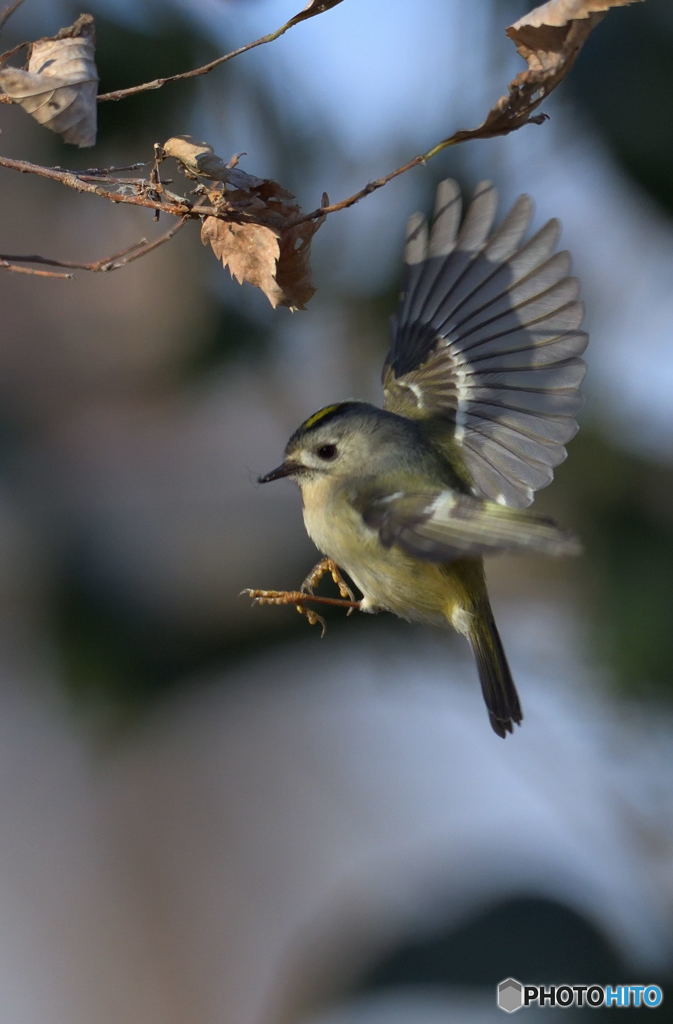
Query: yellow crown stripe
[(319, 415)]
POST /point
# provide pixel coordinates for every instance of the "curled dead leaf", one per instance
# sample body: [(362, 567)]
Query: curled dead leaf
[(549, 38), (293, 273), (253, 230), (559, 13), (250, 251), (264, 246), (60, 85), (199, 160), (312, 8)]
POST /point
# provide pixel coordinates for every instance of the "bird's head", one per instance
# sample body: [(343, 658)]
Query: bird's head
[(347, 439)]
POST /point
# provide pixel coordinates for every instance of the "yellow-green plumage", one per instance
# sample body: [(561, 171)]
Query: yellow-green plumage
[(415, 589), (481, 388)]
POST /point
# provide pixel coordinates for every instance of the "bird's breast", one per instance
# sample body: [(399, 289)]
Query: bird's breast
[(389, 578)]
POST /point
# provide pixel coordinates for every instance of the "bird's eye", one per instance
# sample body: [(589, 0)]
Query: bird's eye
[(327, 452)]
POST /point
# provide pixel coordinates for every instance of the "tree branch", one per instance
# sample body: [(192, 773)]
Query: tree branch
[(114, 262), (157, 83), (105, 172), (371, 186), (422, 158), (29, 270), (177, 206), (72, 179)]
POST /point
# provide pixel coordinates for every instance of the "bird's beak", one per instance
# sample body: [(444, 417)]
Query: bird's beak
[(287, 468)]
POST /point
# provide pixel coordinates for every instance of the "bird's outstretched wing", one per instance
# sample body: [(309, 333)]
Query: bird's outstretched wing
[(486, 340), (442, 525)]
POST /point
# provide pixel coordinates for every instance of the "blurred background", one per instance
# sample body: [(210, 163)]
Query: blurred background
[(209, 814)]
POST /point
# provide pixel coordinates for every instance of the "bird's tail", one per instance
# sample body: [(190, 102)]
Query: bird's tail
[(497, 685)]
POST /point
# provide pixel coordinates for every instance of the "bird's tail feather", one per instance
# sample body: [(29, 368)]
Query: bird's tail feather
[(497, 685)]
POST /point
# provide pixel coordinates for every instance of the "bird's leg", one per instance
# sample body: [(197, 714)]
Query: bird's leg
[(317, 573), (305, 594), (299, 598)]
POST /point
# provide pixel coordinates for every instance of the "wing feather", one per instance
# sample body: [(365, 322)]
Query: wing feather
[(487, 339), (443, 525)]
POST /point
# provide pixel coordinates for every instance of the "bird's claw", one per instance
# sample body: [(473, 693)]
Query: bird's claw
[(299, 597), (317, 573), (280, 597), (312, 618)]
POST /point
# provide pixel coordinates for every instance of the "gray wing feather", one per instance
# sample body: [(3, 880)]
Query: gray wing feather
[(444, 525), (487, 338)]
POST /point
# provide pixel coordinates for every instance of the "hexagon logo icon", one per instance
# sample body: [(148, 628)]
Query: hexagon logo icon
[(510, 995)]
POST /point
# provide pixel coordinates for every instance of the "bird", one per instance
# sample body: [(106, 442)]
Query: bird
[(481, 390)]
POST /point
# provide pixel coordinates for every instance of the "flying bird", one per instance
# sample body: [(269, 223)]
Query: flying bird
[(481, 391)]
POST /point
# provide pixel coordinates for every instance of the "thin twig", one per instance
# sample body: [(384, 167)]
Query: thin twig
[(136, 182), (141, 249), (114, 262), (422, 158), (8, 12), (178, 207), (36, 273), (95, 172), (370, 187), (72, 180), (157, 83)]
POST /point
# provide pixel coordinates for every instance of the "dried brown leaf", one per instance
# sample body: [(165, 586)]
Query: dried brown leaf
[(274, 259), (254, 234), (199, 159), (549, 38), (60, 85), (250, 251), (294, 272), (312, 8), (559, 12)]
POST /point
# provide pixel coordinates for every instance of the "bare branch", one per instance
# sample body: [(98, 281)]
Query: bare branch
[(549, 57), (97, 172), (71, 179), (136, 251), (422, 158), (371, 186), (316, 7), (114, 262), (36, 273), (252, 224), (138, 183)]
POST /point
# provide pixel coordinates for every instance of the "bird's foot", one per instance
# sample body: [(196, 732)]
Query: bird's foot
[(299, 599), (327, 565)]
